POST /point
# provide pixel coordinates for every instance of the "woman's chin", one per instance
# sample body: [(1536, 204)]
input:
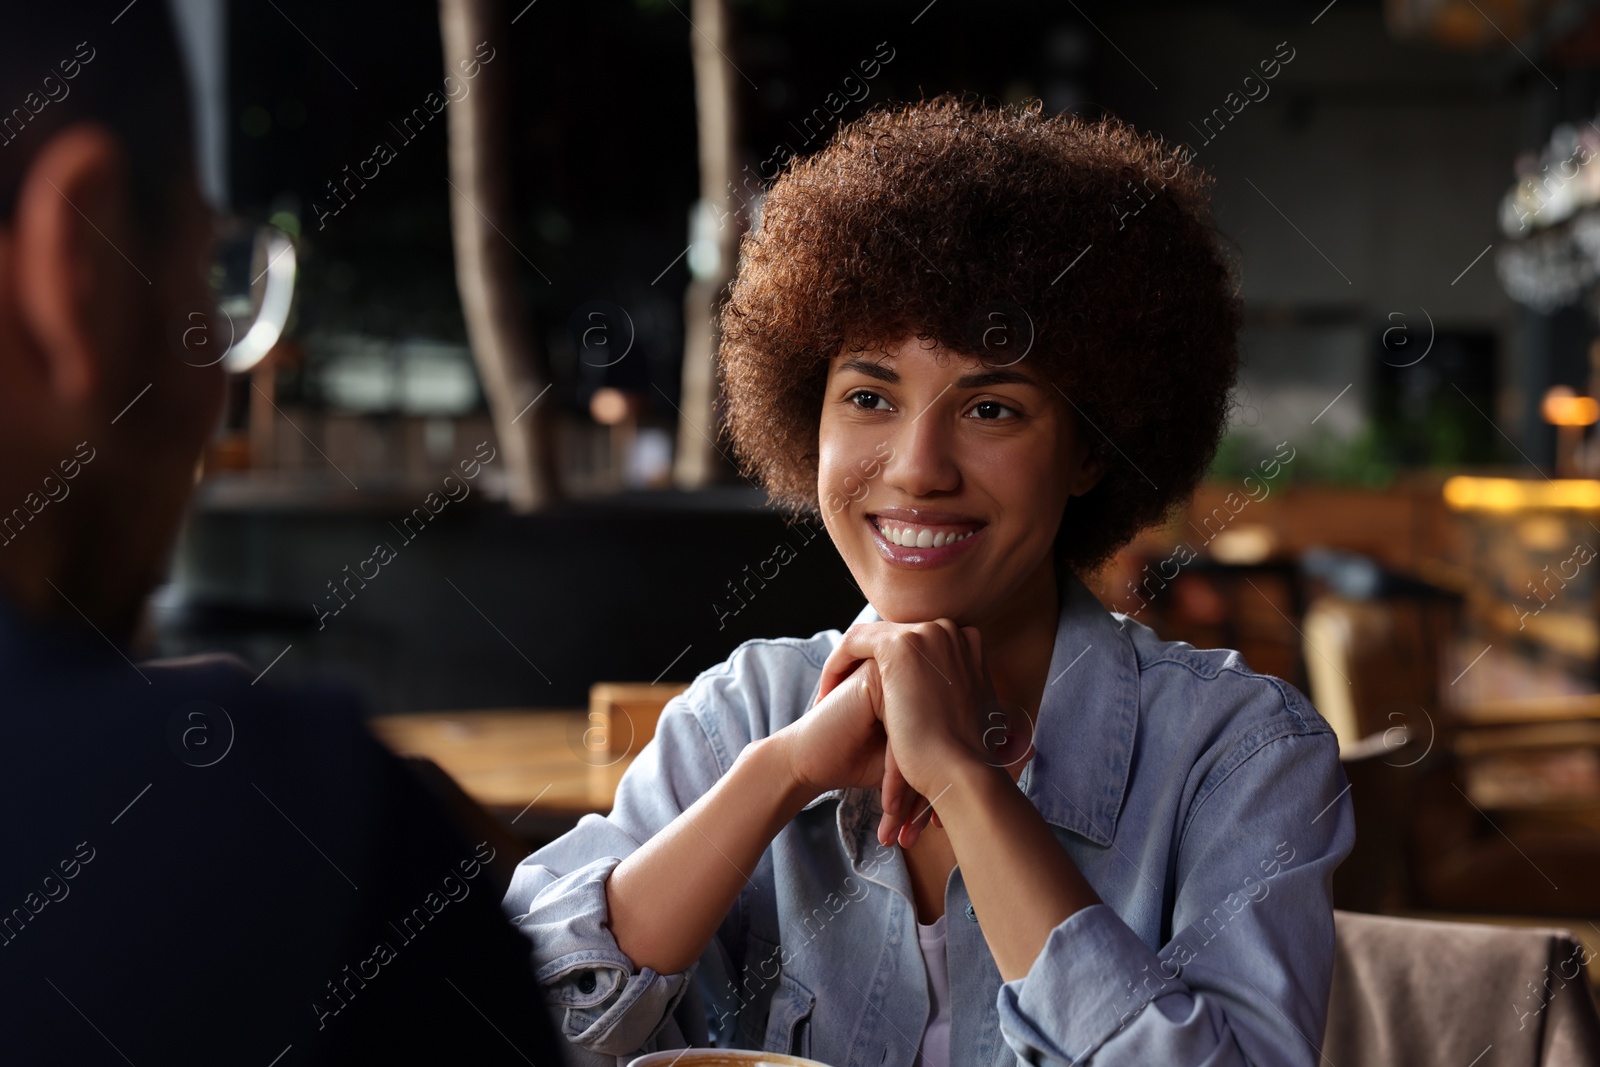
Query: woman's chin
[(906, 606)]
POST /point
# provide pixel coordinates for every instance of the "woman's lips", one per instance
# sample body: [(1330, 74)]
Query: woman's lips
[(954, 540)]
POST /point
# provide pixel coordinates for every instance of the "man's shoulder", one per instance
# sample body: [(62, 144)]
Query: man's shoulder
[(319, 710), (226, 674), (249, 826)]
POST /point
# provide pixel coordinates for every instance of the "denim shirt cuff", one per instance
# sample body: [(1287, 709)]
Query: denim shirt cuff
[(590, 982), (633, 1010), (1091, 979)]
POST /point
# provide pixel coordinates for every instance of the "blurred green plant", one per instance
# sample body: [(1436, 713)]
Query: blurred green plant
[(1443, 433), (1320, 457)]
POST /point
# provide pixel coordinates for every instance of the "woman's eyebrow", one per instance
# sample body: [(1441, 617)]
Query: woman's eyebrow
[(993, 377), (966, 381), (870, 369)]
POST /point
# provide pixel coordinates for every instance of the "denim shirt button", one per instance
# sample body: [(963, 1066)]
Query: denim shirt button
[(586, 982), (970, 913)]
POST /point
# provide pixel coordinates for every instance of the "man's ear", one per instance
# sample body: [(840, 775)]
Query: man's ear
[(75, 284)]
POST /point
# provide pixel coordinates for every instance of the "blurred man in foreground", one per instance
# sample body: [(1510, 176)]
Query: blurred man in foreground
[(197, 868)]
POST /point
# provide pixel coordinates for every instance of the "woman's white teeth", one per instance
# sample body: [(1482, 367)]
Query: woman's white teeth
[(913, 537)]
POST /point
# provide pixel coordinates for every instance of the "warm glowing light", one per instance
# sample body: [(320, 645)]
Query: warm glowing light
[(1562, 408), (608, 406), (1244, 544), (1464, 493)]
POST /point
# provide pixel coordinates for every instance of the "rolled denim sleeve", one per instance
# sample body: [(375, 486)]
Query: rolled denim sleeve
[(1246, 975), (557, 897)]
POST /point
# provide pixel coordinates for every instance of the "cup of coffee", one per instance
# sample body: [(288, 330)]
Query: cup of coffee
[(719, 1057)]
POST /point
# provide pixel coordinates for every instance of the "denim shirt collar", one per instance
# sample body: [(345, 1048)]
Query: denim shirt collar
[(1084, 736)]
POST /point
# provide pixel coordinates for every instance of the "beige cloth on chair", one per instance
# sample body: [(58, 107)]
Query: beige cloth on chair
[(1414, 993)]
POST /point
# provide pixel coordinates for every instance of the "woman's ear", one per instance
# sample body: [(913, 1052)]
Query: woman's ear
[(1088, 468), (76, 288)]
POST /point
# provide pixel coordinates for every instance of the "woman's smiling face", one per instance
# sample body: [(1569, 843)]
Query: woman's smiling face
[(942, 481)]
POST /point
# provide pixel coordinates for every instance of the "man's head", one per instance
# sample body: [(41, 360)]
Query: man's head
[(104, 243)]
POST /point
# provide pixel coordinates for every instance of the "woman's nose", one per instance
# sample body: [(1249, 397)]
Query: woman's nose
[(924, 461)]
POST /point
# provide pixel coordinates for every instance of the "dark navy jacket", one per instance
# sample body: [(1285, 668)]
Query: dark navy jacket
[(199, 869)]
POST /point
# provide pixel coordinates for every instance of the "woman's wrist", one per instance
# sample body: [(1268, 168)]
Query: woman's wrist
[(667, 898), (771, 758), (955, 769), (972, 781)]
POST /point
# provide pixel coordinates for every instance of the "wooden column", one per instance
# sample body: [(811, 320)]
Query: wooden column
[(697, 461), (480, 215)]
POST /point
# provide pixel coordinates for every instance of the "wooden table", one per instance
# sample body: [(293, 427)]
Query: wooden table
[(539, 769), (1521, 710)]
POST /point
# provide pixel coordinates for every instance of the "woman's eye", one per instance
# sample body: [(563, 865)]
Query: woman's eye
[(872, 399), (989, 410)]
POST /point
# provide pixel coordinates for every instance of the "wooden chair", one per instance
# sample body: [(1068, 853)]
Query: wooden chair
[(1422, 843), (1372, 664), (1384, 771), (623, 715), (1373, 677)]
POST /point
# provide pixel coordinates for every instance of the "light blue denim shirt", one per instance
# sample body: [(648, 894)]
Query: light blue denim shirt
[(1203, 801)]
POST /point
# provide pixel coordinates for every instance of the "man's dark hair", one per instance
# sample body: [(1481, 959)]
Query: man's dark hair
[(112, 63)]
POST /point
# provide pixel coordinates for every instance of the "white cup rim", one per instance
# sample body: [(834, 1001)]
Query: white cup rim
[(751, 1056)]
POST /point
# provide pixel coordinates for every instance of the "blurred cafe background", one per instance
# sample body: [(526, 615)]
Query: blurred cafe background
[(470, 462)]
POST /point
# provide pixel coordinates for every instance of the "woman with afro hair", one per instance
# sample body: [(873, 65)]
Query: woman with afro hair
[(991, 822)]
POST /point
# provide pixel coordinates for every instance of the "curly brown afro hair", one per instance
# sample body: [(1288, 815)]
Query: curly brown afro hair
[(1088, 243)]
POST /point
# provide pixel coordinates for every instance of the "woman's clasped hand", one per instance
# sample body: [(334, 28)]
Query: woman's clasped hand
[(908, 707)]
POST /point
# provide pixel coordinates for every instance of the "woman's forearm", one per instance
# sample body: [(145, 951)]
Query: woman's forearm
[(1021, 881), (667, 899)]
